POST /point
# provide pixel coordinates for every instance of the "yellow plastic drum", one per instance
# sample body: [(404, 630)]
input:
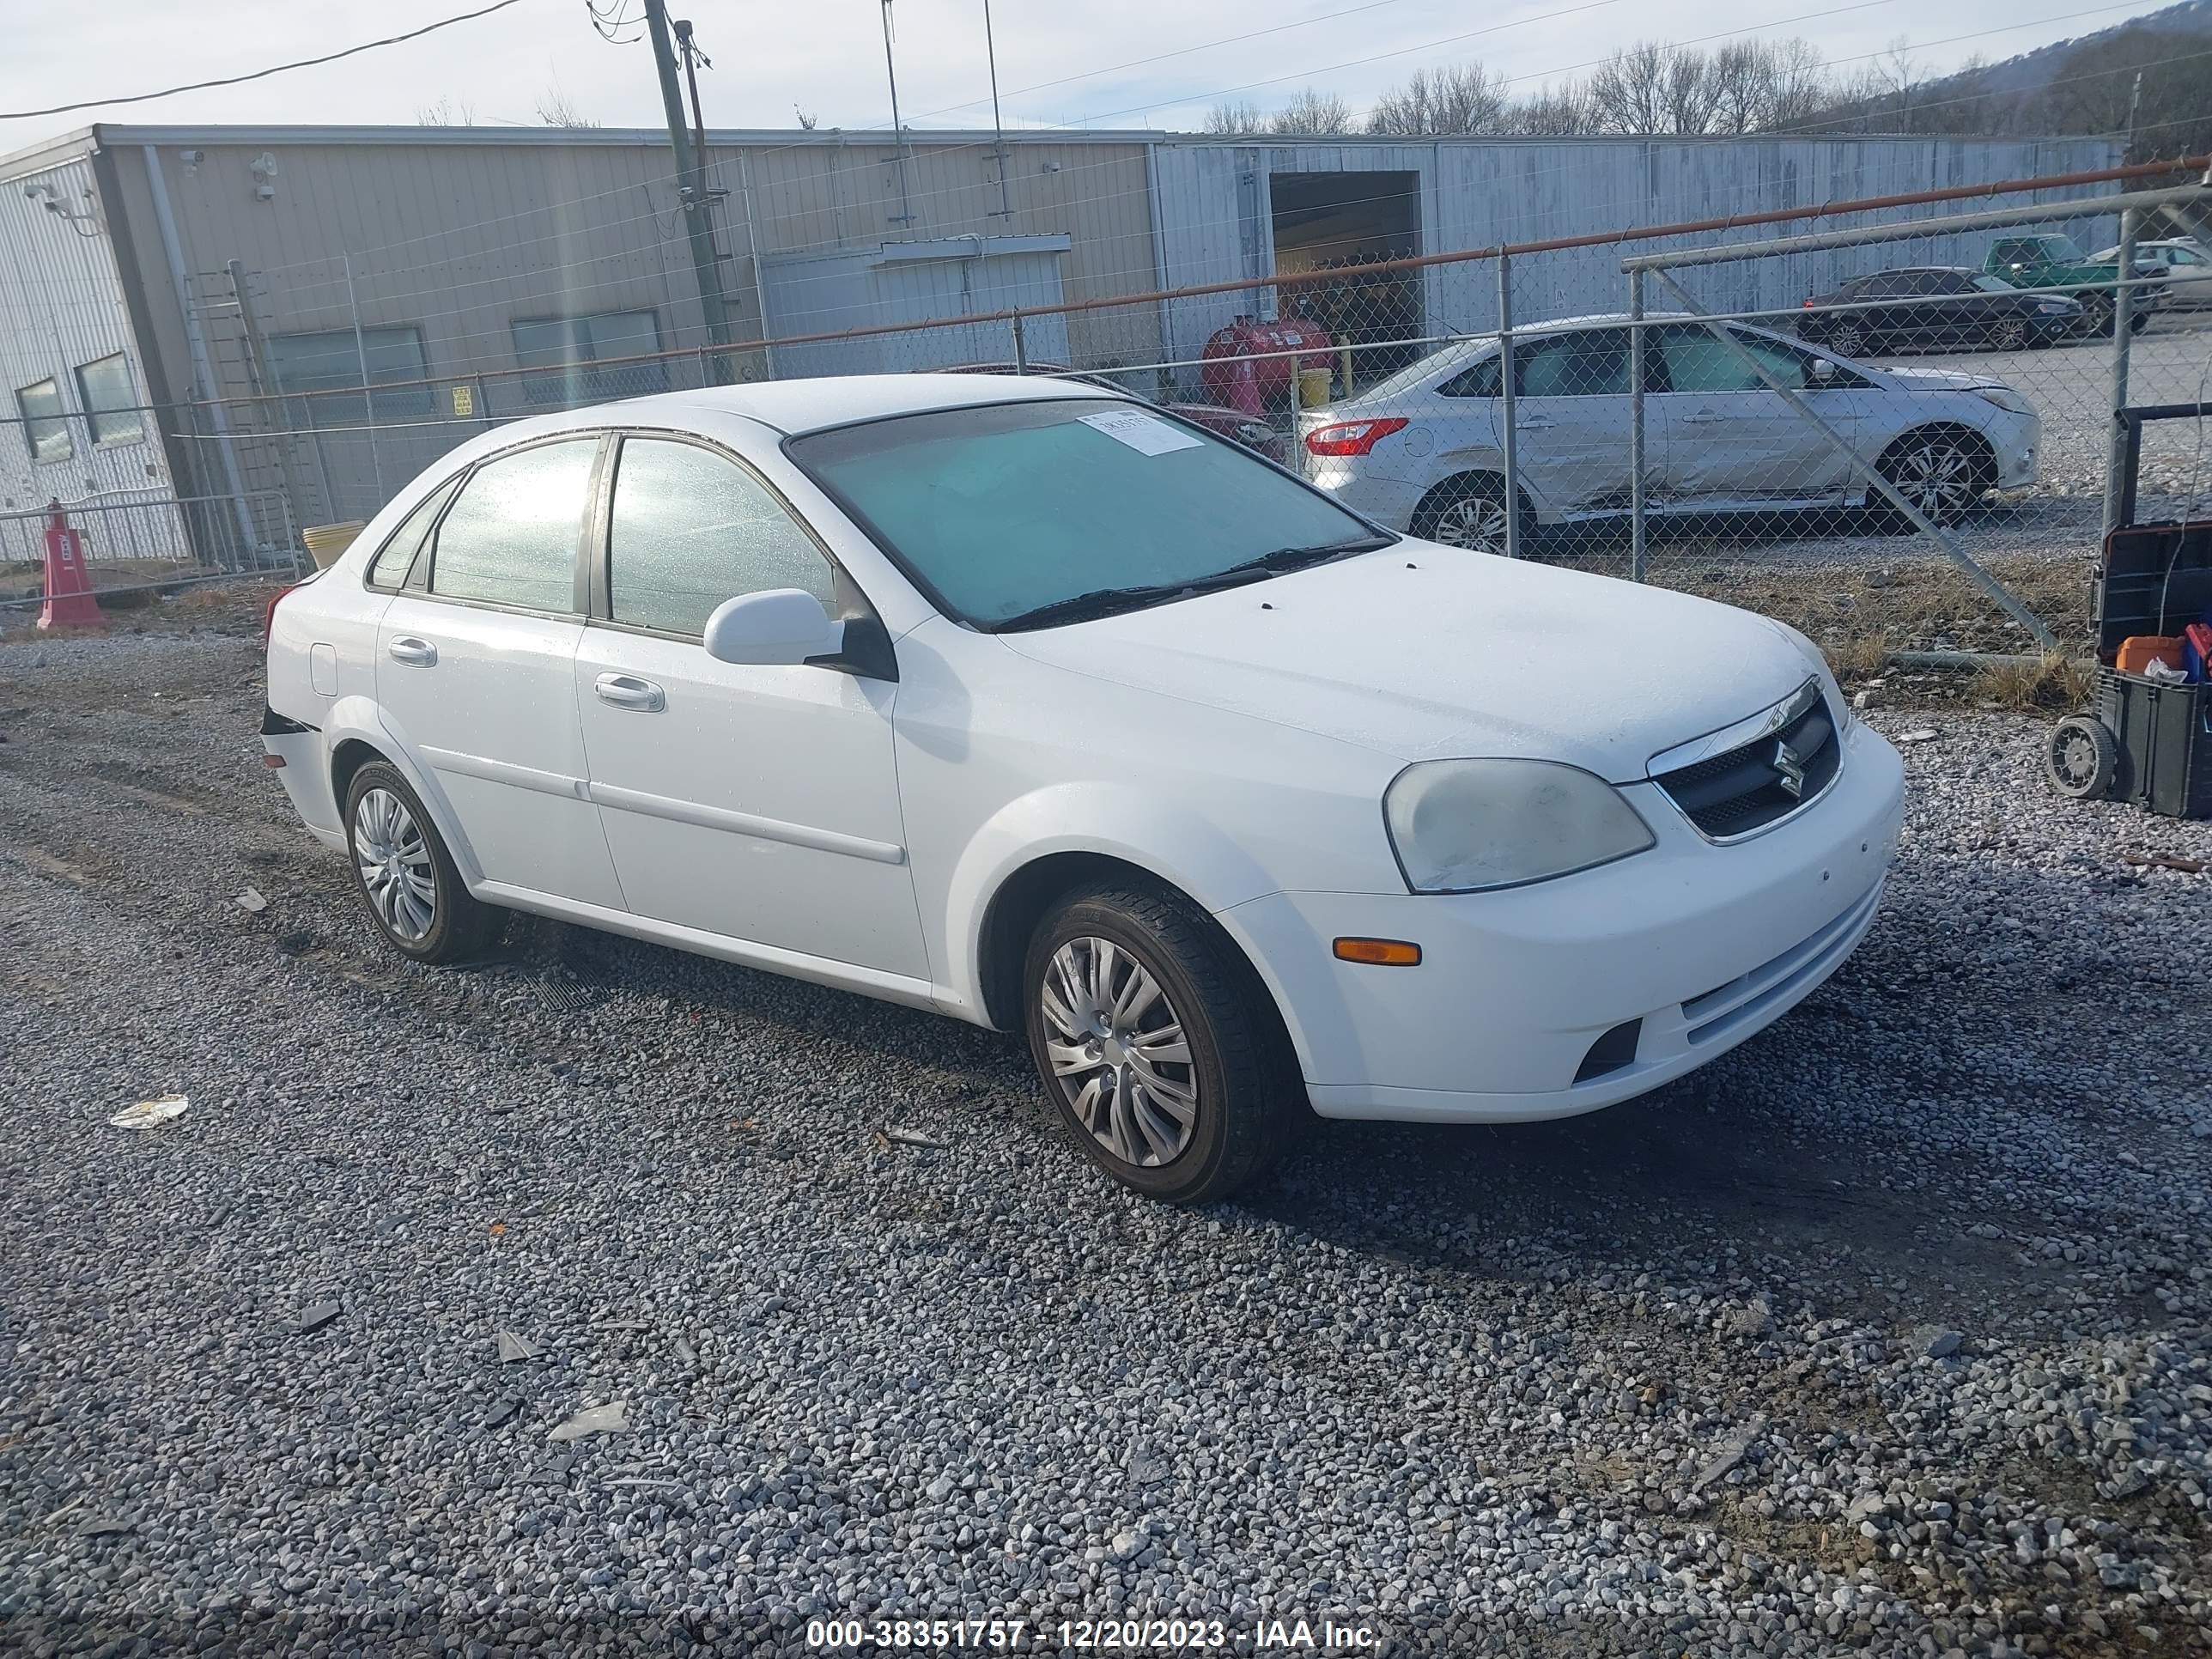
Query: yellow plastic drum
[(326, 541), (1313, 388)]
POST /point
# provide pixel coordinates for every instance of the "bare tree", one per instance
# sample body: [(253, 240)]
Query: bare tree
[(446, 113), (1235, 115), (806, 123), (555, 109), (1466, 99), (1629, 90), (1311, 112), (1565, 111), (1759, 86)]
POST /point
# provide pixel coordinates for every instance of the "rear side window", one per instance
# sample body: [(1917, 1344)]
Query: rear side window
[(388, 570), (689, 529), (1482, 381), (1588, 363), (510, 537)]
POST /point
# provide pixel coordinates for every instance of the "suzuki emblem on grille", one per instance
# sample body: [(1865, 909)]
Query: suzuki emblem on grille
[(1790, 769)]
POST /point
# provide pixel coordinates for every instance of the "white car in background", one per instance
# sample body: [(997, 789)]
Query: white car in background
[(1026, 702), (1423, 451), (2187, 265)]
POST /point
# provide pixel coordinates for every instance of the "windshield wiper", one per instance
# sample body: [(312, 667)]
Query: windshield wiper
[(1105, 601)]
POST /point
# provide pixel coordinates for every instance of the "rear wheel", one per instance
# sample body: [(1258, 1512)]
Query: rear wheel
[(1469, 512), (1847, 339), (406, 879), (1942, 472), (2010, 334), (2096, 314), (1160, 1045)]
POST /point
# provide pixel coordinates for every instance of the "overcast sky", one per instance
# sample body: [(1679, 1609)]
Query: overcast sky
[(1060, 62)]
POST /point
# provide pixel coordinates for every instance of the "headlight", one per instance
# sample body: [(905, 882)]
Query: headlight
[(2005, 399), (2057, 308), (1462, 826)]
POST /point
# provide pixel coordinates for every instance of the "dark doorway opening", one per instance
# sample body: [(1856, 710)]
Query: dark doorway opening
[(1343, 223)]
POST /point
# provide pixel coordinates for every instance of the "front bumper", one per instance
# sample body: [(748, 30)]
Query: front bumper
[(2016, 438), (1704, 944)]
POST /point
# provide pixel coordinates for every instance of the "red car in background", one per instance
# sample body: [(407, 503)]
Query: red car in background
[(1255, 435)]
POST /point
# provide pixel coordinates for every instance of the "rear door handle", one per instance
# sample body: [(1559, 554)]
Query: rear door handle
[(628, 691), (416, 654), (1535, 422), (1703, 417)]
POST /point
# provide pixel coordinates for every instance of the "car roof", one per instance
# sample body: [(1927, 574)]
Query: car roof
[(808, 405)]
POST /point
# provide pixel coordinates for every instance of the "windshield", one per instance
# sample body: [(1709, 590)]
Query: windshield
[(1012, 508)]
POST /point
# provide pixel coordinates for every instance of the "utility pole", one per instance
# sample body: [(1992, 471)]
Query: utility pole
[(691, 190), (998, 127), (905, 215), (2135, 112)]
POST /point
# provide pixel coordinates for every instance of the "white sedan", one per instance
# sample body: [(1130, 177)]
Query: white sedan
[(1024, 702), (1423, 451), (2186, 262)]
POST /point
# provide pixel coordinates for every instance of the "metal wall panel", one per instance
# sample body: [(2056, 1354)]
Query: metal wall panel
[(61, 306)]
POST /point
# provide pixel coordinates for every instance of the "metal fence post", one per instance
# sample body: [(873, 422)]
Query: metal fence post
[(1505, 405), (1021, 344), (1635, 523), (2124, 317)]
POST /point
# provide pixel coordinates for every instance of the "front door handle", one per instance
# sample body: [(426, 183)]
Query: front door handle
[(416, 654), (1703, 417), (628, 691), (1533, 422)]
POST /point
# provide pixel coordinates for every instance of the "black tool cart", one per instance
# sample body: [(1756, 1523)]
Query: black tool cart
[(2150, 741)]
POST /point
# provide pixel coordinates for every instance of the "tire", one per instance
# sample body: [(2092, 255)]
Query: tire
[(2082, 757), (1943, 471), (2138, 320), (2097, 313), (1844, 339), (401, 869), (1469, 512), (1185, 1130), (2011, 334)]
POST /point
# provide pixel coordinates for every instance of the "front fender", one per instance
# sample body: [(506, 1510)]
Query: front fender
[(1167, 839)]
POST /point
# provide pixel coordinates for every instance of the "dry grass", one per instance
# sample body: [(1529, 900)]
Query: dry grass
[(2050, 683)]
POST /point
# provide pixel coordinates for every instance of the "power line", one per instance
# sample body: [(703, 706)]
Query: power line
[(279, 69)]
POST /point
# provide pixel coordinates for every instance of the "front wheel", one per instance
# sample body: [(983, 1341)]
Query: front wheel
[(406, 879), (1158, 1044), (2012, 334), (2097, 313), (1944, 474)]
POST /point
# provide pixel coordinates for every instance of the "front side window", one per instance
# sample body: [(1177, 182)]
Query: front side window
[(689, 529), (570, 349), (335, 364), (1007, 509), (510, 537), (45, 427), (1586, 363), (1694, 361), (110, 399)]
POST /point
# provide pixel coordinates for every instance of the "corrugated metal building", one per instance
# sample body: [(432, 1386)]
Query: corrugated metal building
[(378, 294)]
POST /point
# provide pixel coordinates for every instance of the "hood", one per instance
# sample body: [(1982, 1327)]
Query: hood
[(1424, 653), (1940, 379)]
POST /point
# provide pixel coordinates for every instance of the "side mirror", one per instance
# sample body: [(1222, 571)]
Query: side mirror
[(1823, 372), (780, 626)]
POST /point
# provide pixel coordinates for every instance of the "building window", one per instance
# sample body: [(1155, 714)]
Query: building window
[(45, 428), (110, 399), (569, 348), (331, 364)]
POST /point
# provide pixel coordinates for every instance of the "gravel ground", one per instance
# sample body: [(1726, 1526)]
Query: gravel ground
[(1884, 1333)]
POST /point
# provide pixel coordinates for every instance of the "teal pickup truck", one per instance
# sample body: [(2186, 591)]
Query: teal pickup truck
[(2053, 261)]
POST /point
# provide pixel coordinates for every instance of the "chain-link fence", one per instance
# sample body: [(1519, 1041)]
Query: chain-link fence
[(1888, 422)]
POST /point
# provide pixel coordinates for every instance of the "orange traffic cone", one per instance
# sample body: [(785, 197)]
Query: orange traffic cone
[(68, 602)]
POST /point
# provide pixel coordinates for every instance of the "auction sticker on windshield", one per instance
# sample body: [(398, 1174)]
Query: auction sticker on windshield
[(1147, 435)]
